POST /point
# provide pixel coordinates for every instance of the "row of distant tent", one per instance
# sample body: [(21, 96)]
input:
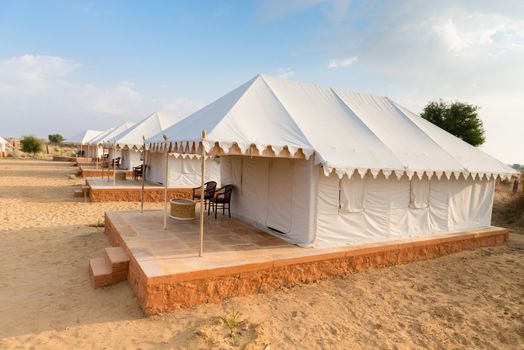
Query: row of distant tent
[(127, 134)]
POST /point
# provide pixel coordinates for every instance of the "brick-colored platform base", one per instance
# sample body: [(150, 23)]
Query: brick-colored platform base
[(72, 159), (296, 265), (105, 194), (104, 173)]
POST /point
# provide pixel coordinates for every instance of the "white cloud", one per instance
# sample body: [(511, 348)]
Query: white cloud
[(488, 32), (40, 95), (286, 73), (181, 105), (34, 74), (121, 99), (414, 51), (342, 63)]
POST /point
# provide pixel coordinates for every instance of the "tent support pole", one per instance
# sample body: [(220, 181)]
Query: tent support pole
[(166, 162), (114, 165), (143, 174), (202, 194)]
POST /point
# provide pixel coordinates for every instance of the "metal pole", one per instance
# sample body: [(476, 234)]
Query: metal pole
[(114, 164), (165, 182), (202, 193), (143, 174)]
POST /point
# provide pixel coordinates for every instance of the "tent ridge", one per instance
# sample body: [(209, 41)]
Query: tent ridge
[(226, 114), (404, 167), (288, 113), (408, 119)]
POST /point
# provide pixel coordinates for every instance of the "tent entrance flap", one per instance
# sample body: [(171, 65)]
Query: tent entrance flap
[(280, 185)]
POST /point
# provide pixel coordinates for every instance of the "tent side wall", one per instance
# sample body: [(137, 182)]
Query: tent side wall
[(130, 159), (182, 173), (359, 211), (155, 170), (94, 151), (114, 153), (274, 194), (187, 172)]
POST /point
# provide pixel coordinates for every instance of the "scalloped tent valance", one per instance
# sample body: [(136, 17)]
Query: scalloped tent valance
[(346, 132)]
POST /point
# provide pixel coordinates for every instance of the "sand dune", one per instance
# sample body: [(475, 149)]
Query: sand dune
[(472, 299)]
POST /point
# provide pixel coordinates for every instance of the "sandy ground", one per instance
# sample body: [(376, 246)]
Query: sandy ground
[(473, 299)]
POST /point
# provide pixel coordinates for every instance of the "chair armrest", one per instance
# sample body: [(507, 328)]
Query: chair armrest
[(219, 192)]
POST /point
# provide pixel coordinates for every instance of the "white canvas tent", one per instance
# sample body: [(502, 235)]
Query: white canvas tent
[(329, 167), (3, 146), (129, 143), (97, 144), (81, 140)]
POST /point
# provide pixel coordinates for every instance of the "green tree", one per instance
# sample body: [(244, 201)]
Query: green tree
[(56, 138), (458, 118), (31, 144)]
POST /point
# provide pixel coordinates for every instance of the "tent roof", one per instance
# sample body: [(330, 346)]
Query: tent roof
[(109, 134), (83, 137), (348, 132), (2, 140), (150, 126)]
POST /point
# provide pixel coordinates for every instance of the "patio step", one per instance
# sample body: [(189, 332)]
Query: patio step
[(84, 190), (109, 269), (100, 272), (117, 258)]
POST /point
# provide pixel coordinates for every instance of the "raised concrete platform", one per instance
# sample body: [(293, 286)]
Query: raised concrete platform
[(102, 190), (73, 159), (94, 171), (166, 273)]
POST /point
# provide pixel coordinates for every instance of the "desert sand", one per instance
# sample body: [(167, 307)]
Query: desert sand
[(473, 299)]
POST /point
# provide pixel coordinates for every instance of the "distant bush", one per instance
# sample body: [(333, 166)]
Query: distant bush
[(458, 118), (31, 144), (55, 138)]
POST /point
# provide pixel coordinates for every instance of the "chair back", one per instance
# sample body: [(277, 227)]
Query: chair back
[(228, 189), (210, 186)]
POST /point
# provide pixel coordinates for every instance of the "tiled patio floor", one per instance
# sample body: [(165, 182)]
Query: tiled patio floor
[(227, 242)]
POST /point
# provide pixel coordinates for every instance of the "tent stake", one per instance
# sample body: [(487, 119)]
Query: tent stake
[(143, 174), (202, 194), (165, 183)]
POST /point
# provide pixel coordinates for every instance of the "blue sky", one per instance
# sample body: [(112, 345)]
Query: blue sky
[(71, 65)]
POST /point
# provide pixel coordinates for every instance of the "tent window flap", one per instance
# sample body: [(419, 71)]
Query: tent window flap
[(419, 192), (352, 194)]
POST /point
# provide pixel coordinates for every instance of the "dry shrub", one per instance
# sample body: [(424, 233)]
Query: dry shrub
[(512, 212)]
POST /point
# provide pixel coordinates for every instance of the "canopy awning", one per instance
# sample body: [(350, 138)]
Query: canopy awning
[(347, 132)]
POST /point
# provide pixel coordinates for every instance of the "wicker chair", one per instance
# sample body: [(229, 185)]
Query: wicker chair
[(115, 162), (222, 198), (138, 171), (209, 190)]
